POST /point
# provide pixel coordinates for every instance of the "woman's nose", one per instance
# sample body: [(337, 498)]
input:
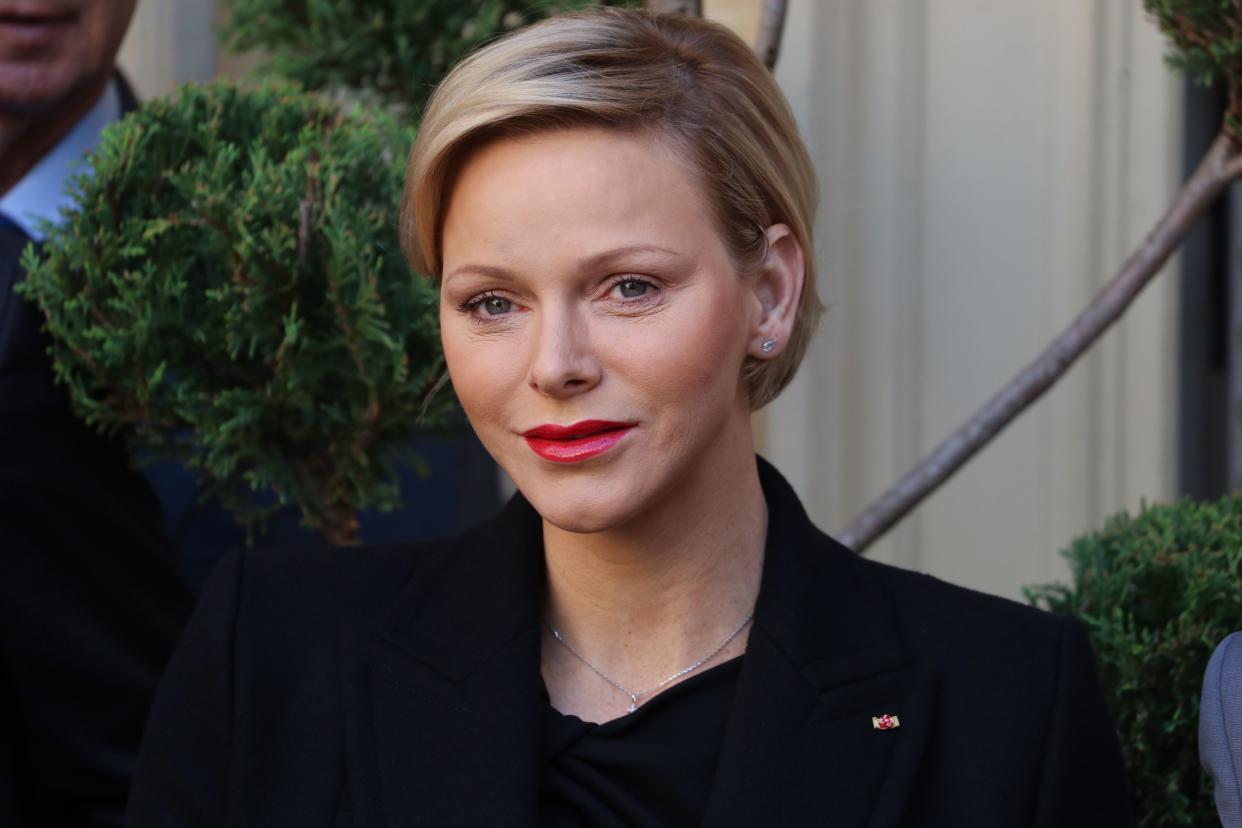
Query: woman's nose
[(564, 363)]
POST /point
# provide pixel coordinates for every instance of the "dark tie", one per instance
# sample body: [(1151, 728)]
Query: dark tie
[(20, 342)]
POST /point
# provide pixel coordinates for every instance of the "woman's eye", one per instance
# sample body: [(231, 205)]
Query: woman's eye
[(497, 305), (491, 304), (632, 288)]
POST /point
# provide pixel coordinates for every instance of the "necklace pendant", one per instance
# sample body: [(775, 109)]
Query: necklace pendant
[(634, 696)]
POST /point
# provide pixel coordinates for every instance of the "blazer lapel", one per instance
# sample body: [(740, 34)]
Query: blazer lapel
[(823, 658), (443, 696)]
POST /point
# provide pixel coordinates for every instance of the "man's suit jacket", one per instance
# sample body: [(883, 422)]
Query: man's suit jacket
[(90, 599), (1220, 728), (400, 686)]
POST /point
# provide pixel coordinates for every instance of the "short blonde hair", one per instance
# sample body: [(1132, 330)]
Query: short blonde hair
[(693, 82)]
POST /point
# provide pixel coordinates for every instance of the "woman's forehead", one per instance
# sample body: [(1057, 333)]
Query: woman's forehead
[(573, 186)]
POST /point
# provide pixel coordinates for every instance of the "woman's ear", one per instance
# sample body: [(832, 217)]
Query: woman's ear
[(778, 289)]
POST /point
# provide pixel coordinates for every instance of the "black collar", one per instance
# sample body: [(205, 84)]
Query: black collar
[(486, 590), (445, 693)]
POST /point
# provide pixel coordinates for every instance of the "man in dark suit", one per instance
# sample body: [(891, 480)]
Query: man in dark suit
[(90, 598)]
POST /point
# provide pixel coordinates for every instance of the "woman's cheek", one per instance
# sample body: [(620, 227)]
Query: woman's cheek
[(670, 373), (708, 340), (481, 375)]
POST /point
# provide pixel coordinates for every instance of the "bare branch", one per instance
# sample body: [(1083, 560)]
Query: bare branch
[(1221, 165), (692, 8), (771, 27)]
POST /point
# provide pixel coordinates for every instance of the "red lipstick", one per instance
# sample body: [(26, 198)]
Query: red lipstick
[(578, 441)]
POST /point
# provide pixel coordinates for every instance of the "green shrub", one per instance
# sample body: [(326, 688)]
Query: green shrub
[(1158, 592), (397, 50), (230, 293), (1203, 35), (1205, 44)]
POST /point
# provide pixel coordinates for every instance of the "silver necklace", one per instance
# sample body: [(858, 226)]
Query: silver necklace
[(634, 697)]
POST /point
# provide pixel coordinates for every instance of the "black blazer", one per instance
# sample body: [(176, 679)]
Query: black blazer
[(400, 686), (91, 602)]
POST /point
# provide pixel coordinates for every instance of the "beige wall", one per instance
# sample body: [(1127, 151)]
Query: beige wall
[(169, 42), (984, 167)]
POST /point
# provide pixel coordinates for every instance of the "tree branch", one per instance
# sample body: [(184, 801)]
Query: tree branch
[(1220, 166)]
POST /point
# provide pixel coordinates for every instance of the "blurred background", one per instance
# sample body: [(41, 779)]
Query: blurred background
[(984, 169)]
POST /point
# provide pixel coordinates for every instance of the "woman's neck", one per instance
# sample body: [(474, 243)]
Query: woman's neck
[(643, 601)]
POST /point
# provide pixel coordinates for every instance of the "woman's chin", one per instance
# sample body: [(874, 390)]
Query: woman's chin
[(582, 508), (582, 518)]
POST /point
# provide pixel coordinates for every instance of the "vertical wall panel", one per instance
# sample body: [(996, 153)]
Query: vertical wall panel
[(985, 168), (169, 42)]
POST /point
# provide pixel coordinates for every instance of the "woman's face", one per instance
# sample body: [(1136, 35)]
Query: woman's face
[(585, 280)]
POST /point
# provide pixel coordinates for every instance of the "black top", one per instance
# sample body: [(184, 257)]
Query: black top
[(380, 687), (651, 767)]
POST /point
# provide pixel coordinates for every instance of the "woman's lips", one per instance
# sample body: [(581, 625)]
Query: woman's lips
[(579, 441)]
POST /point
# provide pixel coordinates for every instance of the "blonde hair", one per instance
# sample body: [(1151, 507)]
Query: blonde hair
[(693, 82)]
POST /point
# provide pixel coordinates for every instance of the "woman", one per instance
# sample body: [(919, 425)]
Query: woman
[(618, 209)]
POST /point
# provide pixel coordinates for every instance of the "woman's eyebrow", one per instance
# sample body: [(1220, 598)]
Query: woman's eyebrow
[(601, 260), (591, 263), (491, 271)]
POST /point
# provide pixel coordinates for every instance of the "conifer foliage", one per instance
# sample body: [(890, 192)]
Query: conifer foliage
[(1158, 592), (229, 293), (396, 50), (1205, 38)]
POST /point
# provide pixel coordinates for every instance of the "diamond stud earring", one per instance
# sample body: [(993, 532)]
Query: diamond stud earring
[(768, 345)]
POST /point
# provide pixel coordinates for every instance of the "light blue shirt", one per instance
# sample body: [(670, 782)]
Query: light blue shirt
[(41, 192)]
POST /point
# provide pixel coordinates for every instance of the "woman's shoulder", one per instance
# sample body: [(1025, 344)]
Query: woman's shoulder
[(942, 603), (264, 656), (309, 593), (302, 572), (932, 617), (985, 647), (946, 623)]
